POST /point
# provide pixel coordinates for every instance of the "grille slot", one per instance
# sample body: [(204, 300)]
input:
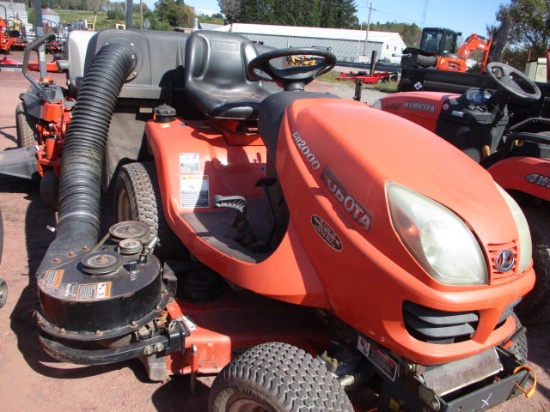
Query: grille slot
[(436, 326)]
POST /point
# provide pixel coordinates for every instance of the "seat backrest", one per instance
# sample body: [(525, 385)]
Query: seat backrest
[(160, 55), (216, 77)]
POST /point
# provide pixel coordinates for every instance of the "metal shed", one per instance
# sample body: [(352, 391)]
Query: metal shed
[(347, 45)]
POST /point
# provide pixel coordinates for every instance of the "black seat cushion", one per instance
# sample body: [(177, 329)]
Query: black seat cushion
[(216, 79)]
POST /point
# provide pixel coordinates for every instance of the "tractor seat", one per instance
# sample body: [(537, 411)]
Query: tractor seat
[(216, 78)]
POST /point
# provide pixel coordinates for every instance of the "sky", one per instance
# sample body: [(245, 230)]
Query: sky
[(466, 16)]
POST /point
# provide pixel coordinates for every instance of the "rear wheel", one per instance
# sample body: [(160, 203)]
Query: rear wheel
[(277, 377), (137, 197), (27, 135), (535, 306)]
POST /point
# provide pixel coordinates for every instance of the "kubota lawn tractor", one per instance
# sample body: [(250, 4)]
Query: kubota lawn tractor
[(517, 157), (296, 244)]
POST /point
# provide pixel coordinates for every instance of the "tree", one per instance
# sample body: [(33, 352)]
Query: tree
[(314, 13), (338, 14), (410, 34), (175, 13), (530, 28), (230, 9), (256, 11)]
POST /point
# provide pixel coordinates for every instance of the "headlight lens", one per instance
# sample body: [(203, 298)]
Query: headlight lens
[(525, 245), (438, 239)]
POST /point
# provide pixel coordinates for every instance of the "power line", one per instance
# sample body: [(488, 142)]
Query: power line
[(394, 16), (424, 15)]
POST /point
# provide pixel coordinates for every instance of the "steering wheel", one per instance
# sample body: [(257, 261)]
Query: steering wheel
[(506, 78), (291, 77)]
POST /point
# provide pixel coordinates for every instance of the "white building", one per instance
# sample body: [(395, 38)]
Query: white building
[(347, 45)]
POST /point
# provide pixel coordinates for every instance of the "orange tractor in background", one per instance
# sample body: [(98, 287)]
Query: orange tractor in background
[(5, 40), (439, 49)]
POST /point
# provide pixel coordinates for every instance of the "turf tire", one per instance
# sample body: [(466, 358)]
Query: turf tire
[(27, 135), (277, 377)]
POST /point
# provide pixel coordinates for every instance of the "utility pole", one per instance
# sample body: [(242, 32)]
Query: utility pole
[(368, 28), (141, 14), (424, 15), (129, 14)]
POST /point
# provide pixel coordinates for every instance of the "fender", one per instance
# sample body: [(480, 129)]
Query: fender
[(421, 108), (525, 174)]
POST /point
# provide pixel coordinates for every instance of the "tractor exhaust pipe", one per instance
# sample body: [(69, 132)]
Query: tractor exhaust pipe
[(83, 153)]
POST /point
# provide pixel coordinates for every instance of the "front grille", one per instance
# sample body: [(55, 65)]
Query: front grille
[(436, 326)]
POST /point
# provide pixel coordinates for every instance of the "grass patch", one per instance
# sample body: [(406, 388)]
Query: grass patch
[(386, 87), (330, 77)]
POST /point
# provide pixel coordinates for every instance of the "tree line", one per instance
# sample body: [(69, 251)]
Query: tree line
[(312, 13)]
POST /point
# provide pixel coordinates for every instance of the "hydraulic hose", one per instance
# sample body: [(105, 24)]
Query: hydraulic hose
[(83, 154)]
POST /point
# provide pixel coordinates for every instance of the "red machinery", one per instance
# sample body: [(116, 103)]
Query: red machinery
[(5, 46), (439, 49), (294, 243), (366, 78)]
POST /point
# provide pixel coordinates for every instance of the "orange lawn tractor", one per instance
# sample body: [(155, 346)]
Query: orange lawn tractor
[(517, 156), (42, 118), (5, 44), (439, 49), (292, 243)]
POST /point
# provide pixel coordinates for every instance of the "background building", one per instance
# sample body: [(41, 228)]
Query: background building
[(347, 45)]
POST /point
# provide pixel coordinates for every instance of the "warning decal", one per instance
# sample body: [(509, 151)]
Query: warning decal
[(53, 278), (194, 191), (381, 360), (189, 163), (100, 290)]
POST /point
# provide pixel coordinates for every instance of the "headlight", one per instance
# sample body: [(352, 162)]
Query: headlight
[(525, 245), (438, 239)]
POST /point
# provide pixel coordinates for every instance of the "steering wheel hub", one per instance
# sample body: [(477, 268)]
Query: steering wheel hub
[(279, 67)]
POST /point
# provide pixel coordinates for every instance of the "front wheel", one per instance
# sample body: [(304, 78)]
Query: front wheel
[(277, 377)]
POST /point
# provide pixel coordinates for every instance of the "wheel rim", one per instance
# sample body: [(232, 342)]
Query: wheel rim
[(247, 405), (123, 207)]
